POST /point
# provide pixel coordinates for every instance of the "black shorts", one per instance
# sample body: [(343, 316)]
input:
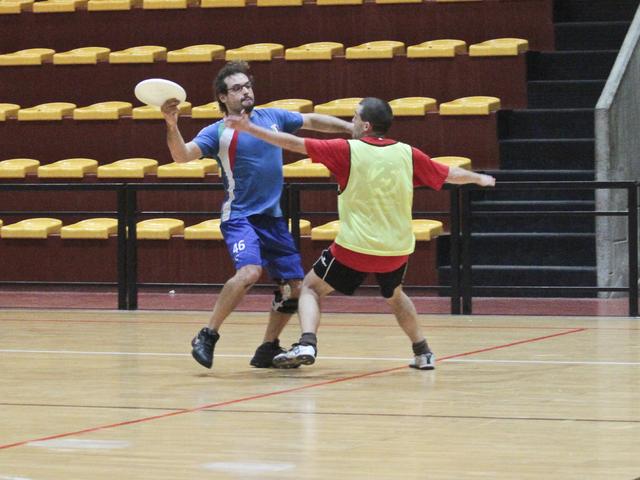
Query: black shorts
[(346, 280)]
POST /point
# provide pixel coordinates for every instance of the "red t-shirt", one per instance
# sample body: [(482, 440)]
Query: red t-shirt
[(335, 154)]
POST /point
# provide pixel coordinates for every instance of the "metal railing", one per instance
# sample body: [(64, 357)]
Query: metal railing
[(467, 213), (461, 213)]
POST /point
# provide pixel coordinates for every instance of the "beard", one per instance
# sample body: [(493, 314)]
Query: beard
[(247, 104)]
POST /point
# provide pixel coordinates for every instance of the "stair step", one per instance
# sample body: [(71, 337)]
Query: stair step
[(503, 275), (541, 154), (564, 93), (537, 205), (593, 10), (590, 35), (521, 222), (546, 123), (543, 175), (531, 249), (570, 65), (535, 224)]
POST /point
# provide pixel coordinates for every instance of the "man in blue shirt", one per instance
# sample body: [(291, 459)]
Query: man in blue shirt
[(254, 230)]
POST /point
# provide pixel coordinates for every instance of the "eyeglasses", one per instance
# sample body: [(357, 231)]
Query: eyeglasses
[(238, 88)]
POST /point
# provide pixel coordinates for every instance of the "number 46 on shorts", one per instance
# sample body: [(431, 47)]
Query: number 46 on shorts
[(238, 246)]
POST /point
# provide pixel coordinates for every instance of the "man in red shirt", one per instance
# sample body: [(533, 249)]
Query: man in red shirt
[(376, 176)]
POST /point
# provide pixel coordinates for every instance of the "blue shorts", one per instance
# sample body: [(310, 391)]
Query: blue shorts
[(266, 241)]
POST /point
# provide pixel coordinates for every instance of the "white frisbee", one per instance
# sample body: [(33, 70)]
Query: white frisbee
[(156, 91)]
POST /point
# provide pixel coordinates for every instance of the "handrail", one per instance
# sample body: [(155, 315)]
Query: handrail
[(467, 213), (461, 213)]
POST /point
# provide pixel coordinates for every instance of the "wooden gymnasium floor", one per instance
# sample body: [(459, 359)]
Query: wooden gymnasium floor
[(115, 395)]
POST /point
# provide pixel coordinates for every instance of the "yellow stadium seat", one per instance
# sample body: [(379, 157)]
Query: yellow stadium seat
[(437, 49), (398, 1), (304, 169), (128, 168), (499, 47), (342, 107), (58, 6), (149, 112), (31, 228), (207, 230), (18, 167), (1, 222), (424, 230), (68, 168), (210, 230), (314, 51), (103, 111), (141, 54), (90, 229), (46, 111), (110, 5), (470, 106), (279, 3), (222, 3), (82, 56), (304, 226), (292, 104), (412, 106), (196, 53), (159, 228), (8, 110), (193, 169), (339, 2), (452, 161), (15, 6), (167, 4), (375, 50), (210, 110), (255, 52), (30, 56), (328, 231)]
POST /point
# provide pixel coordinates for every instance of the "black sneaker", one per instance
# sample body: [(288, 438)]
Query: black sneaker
[(203, 345), (263, 358)]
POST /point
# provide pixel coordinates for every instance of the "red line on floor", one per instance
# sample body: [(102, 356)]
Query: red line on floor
[(277, 392)]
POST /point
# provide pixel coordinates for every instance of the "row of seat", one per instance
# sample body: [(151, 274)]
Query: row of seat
[(140, 167), (165, 228), (64, 6), (380, 49), (343, 107)]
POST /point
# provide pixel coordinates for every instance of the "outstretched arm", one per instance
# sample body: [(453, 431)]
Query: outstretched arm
[(180, 151), (325, 123), (460, 176), (280, 139)]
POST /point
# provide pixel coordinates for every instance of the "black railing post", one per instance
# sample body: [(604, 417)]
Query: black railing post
[(294, 211), (132, 248), (122, 248), (465, 221), (454, 252), (632, 207)]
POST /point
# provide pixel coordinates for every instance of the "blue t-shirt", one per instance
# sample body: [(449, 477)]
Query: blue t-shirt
[(251, 168)]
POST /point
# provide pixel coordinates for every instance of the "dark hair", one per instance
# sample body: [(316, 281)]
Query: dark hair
[(219, 85), (378, 113)]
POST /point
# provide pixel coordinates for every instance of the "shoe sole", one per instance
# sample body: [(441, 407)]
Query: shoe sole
[(431, 367), (201, 361), (294, 362)]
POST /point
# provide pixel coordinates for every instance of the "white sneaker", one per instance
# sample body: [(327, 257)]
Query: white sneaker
[(296, 356), (424, 361)]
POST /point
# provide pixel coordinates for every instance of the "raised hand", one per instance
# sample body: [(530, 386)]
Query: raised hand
[(170, 111)]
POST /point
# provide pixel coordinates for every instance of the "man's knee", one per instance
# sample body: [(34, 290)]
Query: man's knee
[(248, 275)]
